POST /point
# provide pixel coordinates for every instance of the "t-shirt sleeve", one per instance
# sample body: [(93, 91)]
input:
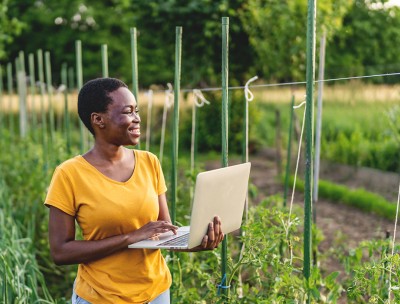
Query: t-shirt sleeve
[(60, 193), (161, 186)]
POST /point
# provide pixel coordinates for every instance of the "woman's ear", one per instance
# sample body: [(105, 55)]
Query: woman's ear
[(97, 120)]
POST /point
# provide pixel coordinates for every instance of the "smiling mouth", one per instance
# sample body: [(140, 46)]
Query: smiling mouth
[(135, 132)]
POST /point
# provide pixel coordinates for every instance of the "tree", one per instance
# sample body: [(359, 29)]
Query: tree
[(277, 31), (9, 28), (367, 43)]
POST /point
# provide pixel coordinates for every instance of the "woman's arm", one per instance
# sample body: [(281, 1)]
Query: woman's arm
[(66, 250)]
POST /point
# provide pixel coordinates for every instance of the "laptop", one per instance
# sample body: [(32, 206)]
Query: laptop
[(219, 192)]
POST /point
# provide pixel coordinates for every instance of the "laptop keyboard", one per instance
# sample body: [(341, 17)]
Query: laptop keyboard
[(178, 241)]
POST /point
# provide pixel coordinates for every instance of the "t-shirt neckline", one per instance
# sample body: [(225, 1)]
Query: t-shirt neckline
[(93, 168)]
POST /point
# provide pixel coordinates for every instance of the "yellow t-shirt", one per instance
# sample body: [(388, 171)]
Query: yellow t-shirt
[(104, 207)]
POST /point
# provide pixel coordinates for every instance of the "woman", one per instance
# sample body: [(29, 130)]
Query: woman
[(117, 196)]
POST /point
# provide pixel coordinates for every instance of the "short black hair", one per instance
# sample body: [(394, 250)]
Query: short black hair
[(94, 97)]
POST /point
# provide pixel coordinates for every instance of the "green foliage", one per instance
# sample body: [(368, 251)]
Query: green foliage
[(269, 266), (277, 32), (359, 198), (10, 27), (371, 266), (209, 124), (21, 280), (364, 46)]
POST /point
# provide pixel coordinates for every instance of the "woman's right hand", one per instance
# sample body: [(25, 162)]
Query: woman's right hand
[(152, 229)]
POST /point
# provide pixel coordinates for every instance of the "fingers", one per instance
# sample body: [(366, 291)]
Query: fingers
[(158, 227), (214, 234)]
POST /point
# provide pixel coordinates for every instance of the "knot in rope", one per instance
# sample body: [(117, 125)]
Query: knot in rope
[(222, 285), (247, 93), (302, 104), (198, 95)]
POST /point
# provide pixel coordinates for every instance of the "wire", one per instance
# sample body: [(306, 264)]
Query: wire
[(293, 83)]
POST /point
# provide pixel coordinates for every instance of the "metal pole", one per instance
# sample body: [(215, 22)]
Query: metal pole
[(64, 81), (310, 77), (32, 80), (50, 95), (10, 99), (104, 60), (79, 82), (289, 153), (135, 77), (43, 114), (175, 127), (319, 123), (1, 104), (134, 62), (224, 126)]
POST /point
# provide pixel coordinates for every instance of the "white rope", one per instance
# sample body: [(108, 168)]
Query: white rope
[(296, 82), (198, 95), (393, 241), (247, 93), (295, 173)]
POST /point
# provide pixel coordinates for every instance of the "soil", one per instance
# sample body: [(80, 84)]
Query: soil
[(335, 220)]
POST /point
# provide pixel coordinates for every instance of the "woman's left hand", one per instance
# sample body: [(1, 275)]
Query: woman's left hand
[(213, 237)]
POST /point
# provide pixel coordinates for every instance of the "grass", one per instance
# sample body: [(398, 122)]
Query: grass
[(359, 198)]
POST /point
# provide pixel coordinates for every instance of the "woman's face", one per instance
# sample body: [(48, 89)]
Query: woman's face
[(122, 121)]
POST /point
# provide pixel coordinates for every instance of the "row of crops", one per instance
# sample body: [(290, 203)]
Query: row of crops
[(268, 270)]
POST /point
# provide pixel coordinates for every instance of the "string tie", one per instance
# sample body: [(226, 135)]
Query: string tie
[(169, 95), (302, 104), (149, 94), (199, 95), (222, 286), (247, 93)]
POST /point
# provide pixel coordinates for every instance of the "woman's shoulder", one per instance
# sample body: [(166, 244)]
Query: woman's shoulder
[(146, 155), (71, 164)]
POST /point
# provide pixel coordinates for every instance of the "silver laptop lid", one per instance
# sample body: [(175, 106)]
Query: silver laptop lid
[(219, 192)]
